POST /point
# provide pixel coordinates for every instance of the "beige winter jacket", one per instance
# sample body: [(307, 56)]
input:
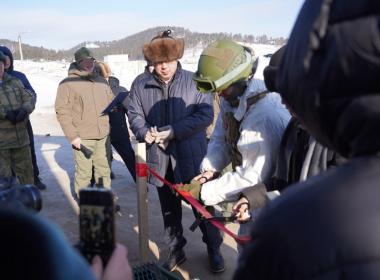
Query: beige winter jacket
[(81, 99)]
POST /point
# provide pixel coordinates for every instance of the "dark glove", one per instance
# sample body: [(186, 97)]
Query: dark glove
[(22, 114), (194, 188), (11, 116)]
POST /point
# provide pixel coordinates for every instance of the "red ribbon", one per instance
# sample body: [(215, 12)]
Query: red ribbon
[(141, 170), (201, 210)]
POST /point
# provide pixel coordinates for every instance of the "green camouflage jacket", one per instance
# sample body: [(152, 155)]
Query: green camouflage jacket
[(13, 96)]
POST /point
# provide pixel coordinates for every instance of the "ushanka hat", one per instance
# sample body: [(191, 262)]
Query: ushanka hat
[(164, 48)]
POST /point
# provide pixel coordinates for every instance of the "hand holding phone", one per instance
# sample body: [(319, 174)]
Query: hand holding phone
[(96, 223)]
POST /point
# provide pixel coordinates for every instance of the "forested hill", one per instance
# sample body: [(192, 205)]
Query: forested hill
[(132, 44)]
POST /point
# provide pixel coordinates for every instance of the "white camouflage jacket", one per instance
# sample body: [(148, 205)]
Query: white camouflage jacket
[(261, 129)]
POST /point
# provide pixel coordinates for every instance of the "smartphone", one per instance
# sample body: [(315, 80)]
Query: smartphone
[(96, 223)]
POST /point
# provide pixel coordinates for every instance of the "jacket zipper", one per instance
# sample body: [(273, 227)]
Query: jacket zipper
[(96, 109), (16, 126)]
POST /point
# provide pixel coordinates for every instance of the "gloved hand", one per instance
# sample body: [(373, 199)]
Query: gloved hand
[(194, 188), (165, 133), (11, 116), (162, 135), (22, 114)]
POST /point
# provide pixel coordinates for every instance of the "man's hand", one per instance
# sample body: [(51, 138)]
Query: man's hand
[(76, 143), (194, 188), (206, 176), (118, 267), (149, 138), (241, 210), (21, 115)]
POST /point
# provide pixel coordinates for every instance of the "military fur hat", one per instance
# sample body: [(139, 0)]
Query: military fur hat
[(164, 48)]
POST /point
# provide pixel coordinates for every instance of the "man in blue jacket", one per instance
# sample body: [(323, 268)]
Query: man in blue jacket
[(21, 76), (167, 112)]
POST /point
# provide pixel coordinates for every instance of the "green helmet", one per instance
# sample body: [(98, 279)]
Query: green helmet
[(221, 64)]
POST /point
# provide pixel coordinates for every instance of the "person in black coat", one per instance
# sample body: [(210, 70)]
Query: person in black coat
[(328, 227), (119, 134)]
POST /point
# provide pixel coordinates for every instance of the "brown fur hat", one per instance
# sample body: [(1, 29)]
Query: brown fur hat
[(164, 48)]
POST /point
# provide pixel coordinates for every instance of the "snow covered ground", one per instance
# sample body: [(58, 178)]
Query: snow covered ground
[(45, 76)]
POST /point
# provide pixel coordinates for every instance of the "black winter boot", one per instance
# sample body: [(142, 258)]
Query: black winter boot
[(174, 260), (38, 183)]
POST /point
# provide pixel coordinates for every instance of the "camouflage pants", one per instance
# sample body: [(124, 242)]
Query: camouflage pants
[(83, 166), (20, 161)]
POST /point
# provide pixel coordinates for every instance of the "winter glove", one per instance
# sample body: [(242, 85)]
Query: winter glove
[(22, 114), (157, 140), (165, 133), (162, 135), (11, 116), (194, 188)]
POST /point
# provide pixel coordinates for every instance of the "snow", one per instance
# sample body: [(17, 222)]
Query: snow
[(45, 76)]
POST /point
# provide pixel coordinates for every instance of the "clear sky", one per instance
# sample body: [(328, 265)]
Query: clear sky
[(65, 23)]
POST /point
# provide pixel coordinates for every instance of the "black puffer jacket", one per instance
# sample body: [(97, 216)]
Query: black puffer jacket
[(330, 73), (328, 227)]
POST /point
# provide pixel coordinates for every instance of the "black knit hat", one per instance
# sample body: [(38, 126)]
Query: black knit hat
[(270, 72), (83, 53), (2, 57)]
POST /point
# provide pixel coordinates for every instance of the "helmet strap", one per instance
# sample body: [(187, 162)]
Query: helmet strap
[(235, 72)]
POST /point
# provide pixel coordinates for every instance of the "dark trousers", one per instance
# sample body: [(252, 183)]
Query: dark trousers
[(172, 214), (32, 150), (124, 149), (119, 136)]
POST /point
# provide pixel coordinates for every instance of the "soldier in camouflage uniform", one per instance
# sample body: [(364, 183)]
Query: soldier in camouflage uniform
[(16, 103)]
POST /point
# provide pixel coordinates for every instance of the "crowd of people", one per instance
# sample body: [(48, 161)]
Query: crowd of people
[(309, 132)]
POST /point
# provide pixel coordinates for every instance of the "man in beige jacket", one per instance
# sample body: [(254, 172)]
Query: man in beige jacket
[(81, 99)]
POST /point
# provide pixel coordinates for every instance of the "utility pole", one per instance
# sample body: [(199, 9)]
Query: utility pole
[(20, 44), (20, 47)]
